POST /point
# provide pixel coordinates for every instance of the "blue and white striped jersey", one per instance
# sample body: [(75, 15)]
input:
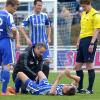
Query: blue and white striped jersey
[(6, 24), (43, 88), (37, 24)]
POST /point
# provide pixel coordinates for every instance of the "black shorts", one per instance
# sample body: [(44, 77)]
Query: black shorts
[(83, 55)]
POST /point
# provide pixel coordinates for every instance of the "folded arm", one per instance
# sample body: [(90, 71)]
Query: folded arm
[(59, 77), (75, 78)]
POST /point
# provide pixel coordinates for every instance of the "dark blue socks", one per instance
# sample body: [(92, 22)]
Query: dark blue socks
[(5, 80), (17, 84)]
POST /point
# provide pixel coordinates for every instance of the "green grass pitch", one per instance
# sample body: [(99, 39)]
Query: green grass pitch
[(52, 77)]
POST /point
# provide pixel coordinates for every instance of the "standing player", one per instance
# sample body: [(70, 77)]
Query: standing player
[(40, 30), (87, 44), (8, 32)]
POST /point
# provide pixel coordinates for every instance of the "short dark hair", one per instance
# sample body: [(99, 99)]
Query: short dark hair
[(12, 2), (85, 2), (35, 1), (40, 45), (71, 91)]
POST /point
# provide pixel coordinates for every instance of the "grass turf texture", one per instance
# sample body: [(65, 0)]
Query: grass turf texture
[(52, 77)]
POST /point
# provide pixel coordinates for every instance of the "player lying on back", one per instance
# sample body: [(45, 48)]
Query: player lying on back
[(45, 88)]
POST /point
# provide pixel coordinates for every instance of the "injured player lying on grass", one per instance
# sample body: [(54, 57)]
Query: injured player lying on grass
[(45, 88)]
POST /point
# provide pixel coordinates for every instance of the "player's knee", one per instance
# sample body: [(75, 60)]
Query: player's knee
[(19, 74), (89, 66), (78, 66)]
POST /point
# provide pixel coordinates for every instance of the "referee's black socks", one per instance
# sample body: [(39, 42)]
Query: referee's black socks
[(81, 75), (91, 77)]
